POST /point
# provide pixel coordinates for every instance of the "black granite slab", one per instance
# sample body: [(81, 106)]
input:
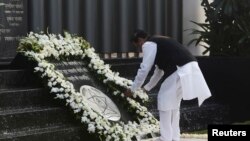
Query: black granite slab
[(18, 78), (25, 98), (16, 119), (13, 26)]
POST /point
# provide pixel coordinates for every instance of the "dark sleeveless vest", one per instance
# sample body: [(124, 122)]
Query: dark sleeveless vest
[(170, 54)]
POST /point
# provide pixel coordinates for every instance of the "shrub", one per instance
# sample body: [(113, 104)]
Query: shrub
[(226, 30)]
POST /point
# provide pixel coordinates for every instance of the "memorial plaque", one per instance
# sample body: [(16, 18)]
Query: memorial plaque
[(75, 72), (13, 25), (84, 82)]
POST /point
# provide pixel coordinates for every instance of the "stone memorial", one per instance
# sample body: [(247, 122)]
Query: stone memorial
[(73, 73), (13, 25)]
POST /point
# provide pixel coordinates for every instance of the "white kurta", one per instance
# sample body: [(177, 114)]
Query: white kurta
[(187, 82), (192, 82)]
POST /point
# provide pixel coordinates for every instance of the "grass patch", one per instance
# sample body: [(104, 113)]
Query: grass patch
[(205, 131), (242, 123)]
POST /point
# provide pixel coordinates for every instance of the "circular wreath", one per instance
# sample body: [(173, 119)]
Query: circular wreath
[(41, 48)]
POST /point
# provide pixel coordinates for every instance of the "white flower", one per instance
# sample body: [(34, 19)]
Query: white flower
[(99, 127), (92, 115), (91, 128), (73, 105), (84, 119), (54, 83), (78, 99), (77, 110), (54, 90), (49, 84), (59, 80), (37, 69), (142, 113), (67, 90), (60, 96), (66, 95), (105, 81), (108, 138), (61, 89)]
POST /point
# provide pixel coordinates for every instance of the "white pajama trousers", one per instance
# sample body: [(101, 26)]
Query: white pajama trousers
[(169, 125)]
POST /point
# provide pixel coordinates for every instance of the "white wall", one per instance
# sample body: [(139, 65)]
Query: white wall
[(192, 11)]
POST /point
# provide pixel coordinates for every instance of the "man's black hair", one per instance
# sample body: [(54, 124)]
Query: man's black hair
[(138, 33)]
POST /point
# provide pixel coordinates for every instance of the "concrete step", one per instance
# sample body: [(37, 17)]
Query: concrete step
[(182, 139), (197, 118), (4, 65), (64, 132), (11, 120), (18, 78), (25, 98)]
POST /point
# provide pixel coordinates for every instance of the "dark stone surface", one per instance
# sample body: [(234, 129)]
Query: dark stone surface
[(197, 118), (29, 112), (22, 62), (18, 78), (77, 73), (13, 25), (4, 65), (12, 120), (25, 98), (127, 68), (54, 133)]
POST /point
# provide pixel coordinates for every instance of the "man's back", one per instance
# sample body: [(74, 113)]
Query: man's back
[(170, 53)]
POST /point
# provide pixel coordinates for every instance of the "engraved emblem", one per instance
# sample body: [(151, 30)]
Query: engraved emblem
[(100, 103)]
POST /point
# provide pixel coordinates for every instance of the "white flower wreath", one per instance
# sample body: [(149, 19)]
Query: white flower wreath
[(41, 47)]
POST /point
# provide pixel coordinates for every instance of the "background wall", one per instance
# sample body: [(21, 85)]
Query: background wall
[(192, 11), (107, 24)]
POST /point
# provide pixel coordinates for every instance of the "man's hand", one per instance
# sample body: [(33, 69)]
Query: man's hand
[(128, 93), (144, 90)]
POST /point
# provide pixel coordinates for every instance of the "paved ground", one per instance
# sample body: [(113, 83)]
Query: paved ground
[(182, 139), (192, 139)]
